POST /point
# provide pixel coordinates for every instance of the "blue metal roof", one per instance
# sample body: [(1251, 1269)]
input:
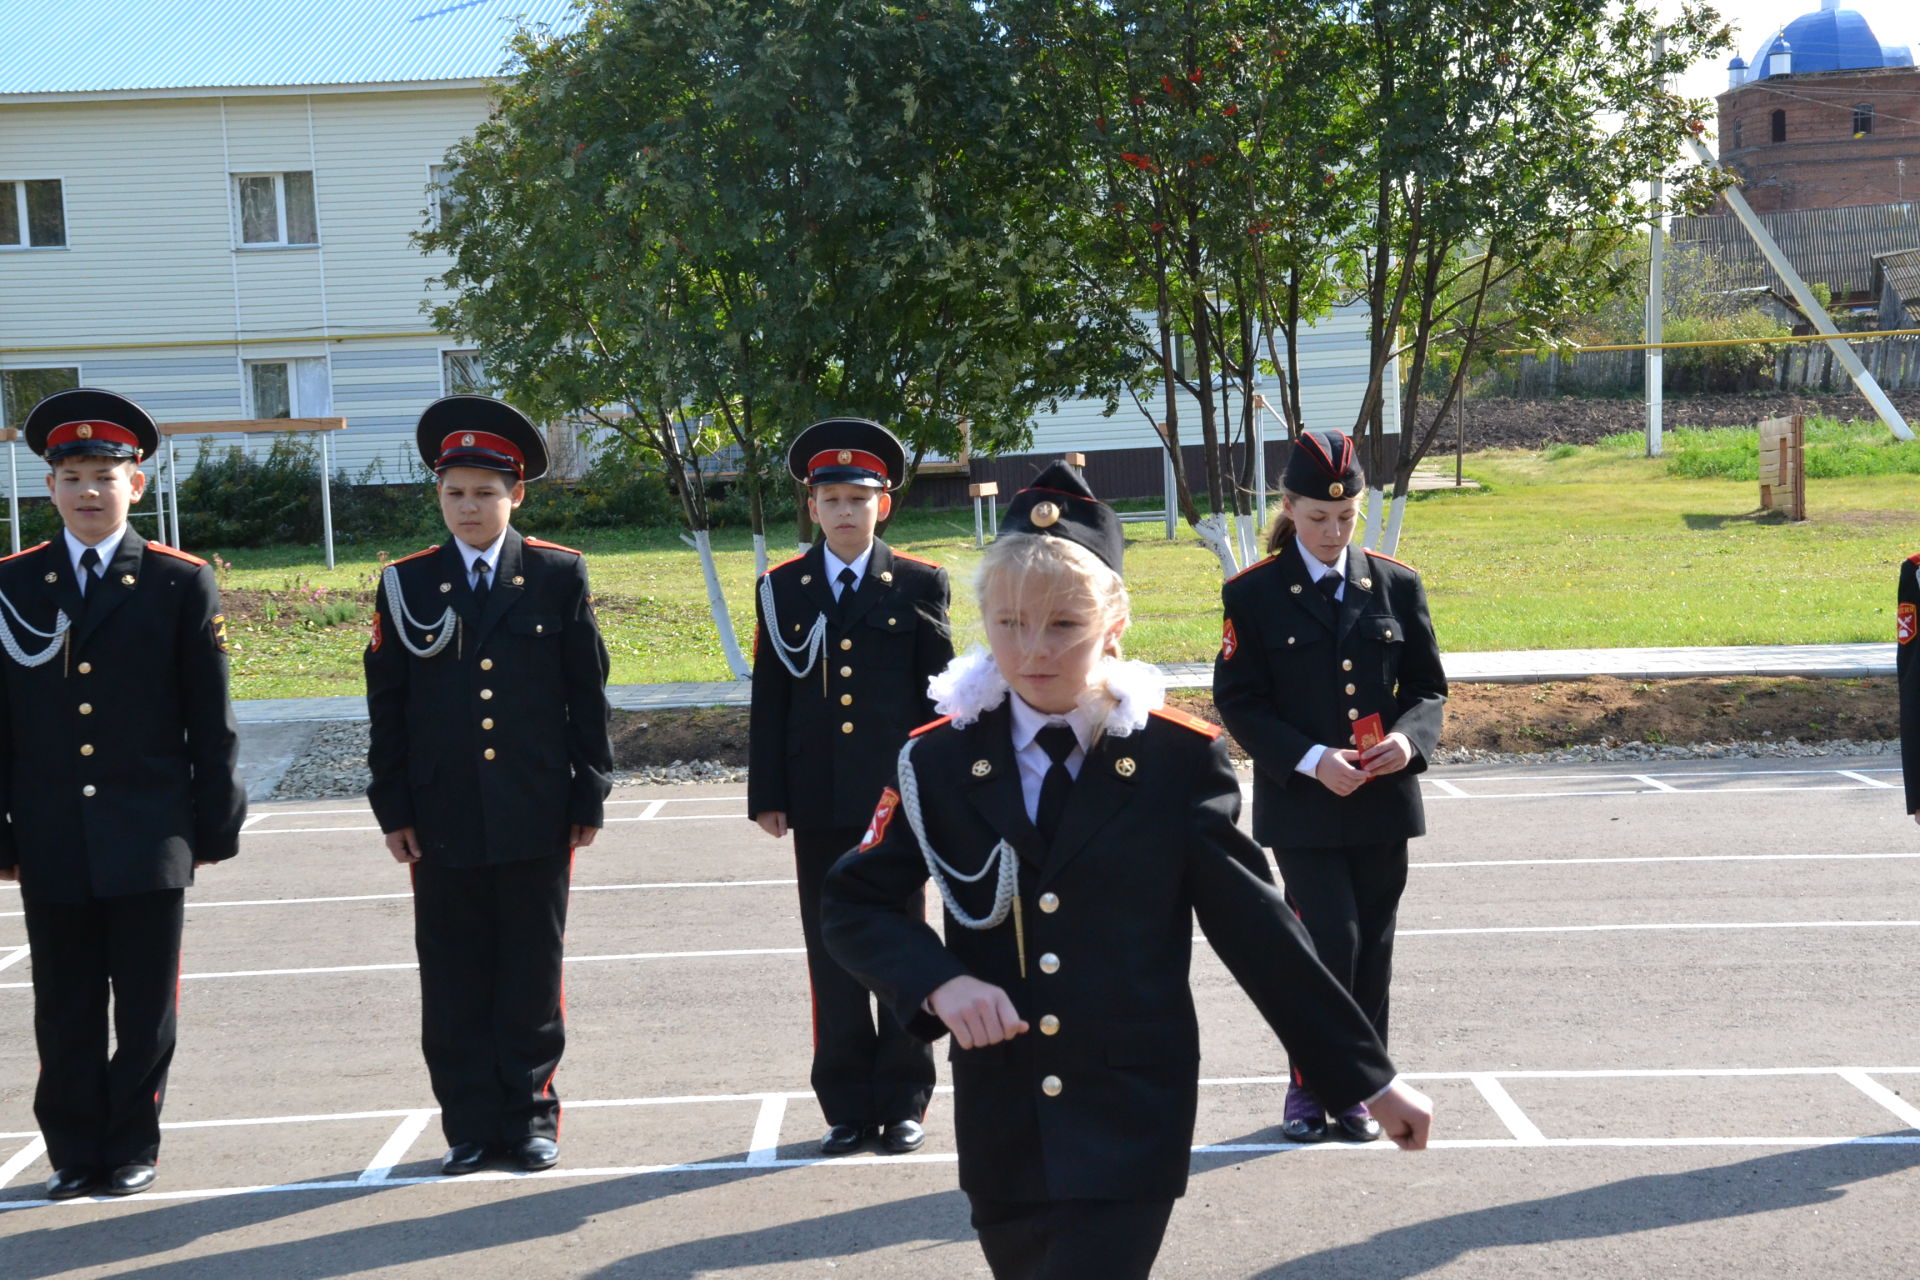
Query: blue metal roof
[(90, 46), (1831, 39)]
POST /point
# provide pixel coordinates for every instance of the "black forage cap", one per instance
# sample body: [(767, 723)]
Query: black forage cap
[(479, 431), (1324, 465), (847, 451), (103, 424), (1058, 504)]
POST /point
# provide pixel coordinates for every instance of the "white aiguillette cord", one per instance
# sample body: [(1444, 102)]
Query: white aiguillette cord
[(1006, 889), (11, 642), (441, 631), (813, 644)]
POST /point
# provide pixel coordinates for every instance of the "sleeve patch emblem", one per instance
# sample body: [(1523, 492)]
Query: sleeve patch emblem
[(220, 631), (1229, 642), (1908, 622), (882, 816), (373, 646)]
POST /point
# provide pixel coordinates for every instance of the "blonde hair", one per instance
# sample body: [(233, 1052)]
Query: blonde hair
[(1060, 570)]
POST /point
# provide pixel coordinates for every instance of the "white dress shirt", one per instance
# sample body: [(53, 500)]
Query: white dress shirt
[(473, 555), (106, 547), (1316, 571), (1033, 758), (835, 564)]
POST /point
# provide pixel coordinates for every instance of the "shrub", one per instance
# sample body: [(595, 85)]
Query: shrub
[(234, 499)]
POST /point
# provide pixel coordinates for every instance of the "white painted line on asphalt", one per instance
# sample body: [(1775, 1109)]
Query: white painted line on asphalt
[(309, 831), (1524, 1131), (253, 818), (1663, 928), (1893, 1102), (1669, 857), (17, 1163), (1447, 788), (1653, 782), (652, 808), (764, 1147), (15, 956), (395, 1148), (1872, 782)]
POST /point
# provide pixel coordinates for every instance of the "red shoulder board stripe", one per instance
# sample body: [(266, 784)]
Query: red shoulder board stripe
[(931, 564), (426, 551), (1186, 721), (930, 726), (1257, 564), (784, 563), (1381, 555), (1912, 559), (30, 550), (175, 552), (552, 546)]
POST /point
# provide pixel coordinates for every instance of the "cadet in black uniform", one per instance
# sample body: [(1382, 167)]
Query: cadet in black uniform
[(848, 636), (118, 765), (1319, 637), (1074, 830), (1906, 625), (486, 687)]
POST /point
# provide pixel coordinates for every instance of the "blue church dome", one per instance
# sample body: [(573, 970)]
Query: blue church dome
[(1832, 39)]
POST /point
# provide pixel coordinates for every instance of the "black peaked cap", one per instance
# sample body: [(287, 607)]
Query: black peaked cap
[(1324, 465), (1058, 504), (454, 431), (86, 406), (847, 451)]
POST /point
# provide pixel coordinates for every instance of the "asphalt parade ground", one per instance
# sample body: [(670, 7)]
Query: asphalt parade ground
[(1668, 1020)]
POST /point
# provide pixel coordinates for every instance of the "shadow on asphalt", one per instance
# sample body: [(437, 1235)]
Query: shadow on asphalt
[(1787, 1180)]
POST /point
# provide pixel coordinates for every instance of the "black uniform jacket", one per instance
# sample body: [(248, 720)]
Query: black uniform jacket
[(119, 752), (1295, 670), (1148, 841), (497, 744), (822, 746), (1907, 632)]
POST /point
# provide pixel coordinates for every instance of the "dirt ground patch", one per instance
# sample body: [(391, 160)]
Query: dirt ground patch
[(1500, 422), (1488, 717)]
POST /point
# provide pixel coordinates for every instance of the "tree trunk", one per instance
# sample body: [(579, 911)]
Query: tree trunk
[(717, 602), (1390, 540)]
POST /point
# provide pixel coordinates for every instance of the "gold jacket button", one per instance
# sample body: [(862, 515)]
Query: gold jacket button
[(1346, 664), (1389, 633), (846, 699), (487, 723), (1049, 963), (1353, 713), (846, 644), (1051, 1086), (1049, 902), (805, 579), (86, 748), (486, 664), (846, 726), (488, 753), (485, 694), (86, 708), (1049, 1025), (1289, 639), (85, 668), (893, 622), (539, 628), (845, 672), (87, 790), (1350, 689), (1296, 588)]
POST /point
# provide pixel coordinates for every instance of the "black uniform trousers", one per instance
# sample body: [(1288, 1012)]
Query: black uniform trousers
[(96, 1111), (1348, 897), (1070, 1239), (867, 1069), (492, 1000)]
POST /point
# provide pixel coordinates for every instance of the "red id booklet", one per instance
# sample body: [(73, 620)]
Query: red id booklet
[(1368, 733)]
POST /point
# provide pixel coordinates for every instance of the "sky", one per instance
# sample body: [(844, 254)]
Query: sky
[(1894, 21)]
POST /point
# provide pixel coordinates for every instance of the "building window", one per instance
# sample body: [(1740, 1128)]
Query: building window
[(33, 214), (1780, 126), (275, 209), (462, 374), (1736, 134), (21, 389), (441, 199), (1863, 119), (288, 389)]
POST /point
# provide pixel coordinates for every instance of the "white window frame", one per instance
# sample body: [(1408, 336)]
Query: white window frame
[(79, 380), (19, 185), (279, 177), (434, 184), (446, 384), (295, 409)]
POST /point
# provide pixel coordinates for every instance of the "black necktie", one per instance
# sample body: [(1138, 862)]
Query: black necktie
[(846, 580), (89, 561), (480, 583), (1329, 585), (1058, 741)]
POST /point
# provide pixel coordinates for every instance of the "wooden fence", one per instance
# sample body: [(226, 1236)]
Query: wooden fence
[(1800, 366)]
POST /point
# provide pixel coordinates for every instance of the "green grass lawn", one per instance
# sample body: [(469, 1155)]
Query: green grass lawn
[(1590, 547)]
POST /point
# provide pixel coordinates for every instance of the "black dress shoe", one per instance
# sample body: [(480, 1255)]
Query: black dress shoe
[(463, 1158), (902, 1136), (841, 1139), (71, 1184), (534, 1153), (130, 1180), (1303, 1129), (1358, 1126)]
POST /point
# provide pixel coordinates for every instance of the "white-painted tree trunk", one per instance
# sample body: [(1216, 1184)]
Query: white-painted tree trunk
[(1213, 534), (1390, 540), (759, 555), (717, 602), (1249, 534), (1374, 510)]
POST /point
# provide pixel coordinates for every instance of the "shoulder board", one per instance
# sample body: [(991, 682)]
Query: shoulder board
[(30, 550), (1912, 559), (930, 726), (931, 564), (1381, 555), (415, 556), (553, 546), (1186, 721), (175, 552), (791, 560), (1257, 564)]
